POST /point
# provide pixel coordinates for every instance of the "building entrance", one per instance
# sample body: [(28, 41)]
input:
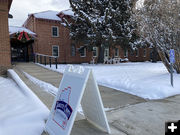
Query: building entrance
[(21, 47)]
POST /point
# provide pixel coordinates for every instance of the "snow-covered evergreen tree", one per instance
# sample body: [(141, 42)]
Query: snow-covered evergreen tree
[(103, 23), (159, 25)]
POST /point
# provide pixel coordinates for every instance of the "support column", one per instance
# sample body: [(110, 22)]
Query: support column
[(5, 52)]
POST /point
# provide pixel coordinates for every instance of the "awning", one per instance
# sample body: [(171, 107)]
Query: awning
[(21, 34), (15, 29)]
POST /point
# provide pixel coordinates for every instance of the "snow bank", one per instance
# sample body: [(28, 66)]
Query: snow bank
[(46, 86), (144, 79), (22, 113), (24, 89)]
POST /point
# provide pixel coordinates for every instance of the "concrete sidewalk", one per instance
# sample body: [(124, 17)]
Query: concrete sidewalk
[(131, 115), (111, 98)]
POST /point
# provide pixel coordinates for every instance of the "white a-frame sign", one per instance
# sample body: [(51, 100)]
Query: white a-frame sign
[(77, 86)]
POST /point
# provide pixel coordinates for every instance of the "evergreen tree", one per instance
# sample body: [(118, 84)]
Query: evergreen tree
[(102, 23)]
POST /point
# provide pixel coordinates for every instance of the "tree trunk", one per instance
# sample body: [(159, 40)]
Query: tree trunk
[(164, 59), (154, 55), (101, 54), (177, 62)]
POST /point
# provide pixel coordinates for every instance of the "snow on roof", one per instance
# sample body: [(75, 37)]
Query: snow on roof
[(15, 29), (68, 12), (50, 15)]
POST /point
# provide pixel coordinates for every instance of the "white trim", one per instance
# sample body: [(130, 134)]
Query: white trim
[(117, 52), (144, 54), (137, 55), (84, 52), (72, 45), (52, 31), (96, 51), (107, 53), (58, 50), (126, 53)]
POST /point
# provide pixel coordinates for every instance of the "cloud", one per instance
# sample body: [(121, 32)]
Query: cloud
[(21, 8), (62, 4)]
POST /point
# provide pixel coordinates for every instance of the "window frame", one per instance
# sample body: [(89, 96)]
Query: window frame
[(132, 52), (84, 52), (144, 52), (96, 50), (106, 49), (53, 50), (125, 53), (137, 52), (117, 52), (52, 31), (72, 45)]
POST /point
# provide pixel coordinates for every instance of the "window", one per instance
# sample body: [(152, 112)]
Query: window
[(73, 50), (55, 50), (131, 52), (83, 52), (95, 51), (106, 52), (151, 54), (137, 52), (116, 52), (55, 31), (144, 52), (125, 52)]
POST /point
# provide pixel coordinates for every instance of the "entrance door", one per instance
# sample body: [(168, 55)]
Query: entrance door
[(106, 53), (19, 54)]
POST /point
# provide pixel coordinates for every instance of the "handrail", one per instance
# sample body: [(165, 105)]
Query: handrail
[(45, 55), (38, 59)]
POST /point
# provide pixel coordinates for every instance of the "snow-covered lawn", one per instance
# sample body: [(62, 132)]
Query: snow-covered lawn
[(20, 114), (144, 79)]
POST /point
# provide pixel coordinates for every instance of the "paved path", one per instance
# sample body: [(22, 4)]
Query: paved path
[(111, 98), (131, 115)]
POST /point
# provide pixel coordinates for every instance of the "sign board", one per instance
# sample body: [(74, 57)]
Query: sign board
[(78, 85), (172, 56)]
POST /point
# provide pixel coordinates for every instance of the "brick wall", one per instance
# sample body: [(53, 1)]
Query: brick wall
[(131, 55), (5, 61), (44, 42)]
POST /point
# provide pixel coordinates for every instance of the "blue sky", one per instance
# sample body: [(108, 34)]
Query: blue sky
[(21, 8)]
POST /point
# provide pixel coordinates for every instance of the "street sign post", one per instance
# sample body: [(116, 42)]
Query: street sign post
[(172, 61), (172, 56), (78, 85)]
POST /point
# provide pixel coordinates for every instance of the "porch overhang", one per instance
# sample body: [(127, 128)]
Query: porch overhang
[(18, 33)]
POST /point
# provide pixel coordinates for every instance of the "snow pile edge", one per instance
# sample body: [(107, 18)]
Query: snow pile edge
[(12, 74)]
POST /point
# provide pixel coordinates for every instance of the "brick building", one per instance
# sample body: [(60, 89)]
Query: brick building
[(5, 59), (53, 39)]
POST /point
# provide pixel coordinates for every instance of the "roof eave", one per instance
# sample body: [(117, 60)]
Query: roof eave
[(48, 19)]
